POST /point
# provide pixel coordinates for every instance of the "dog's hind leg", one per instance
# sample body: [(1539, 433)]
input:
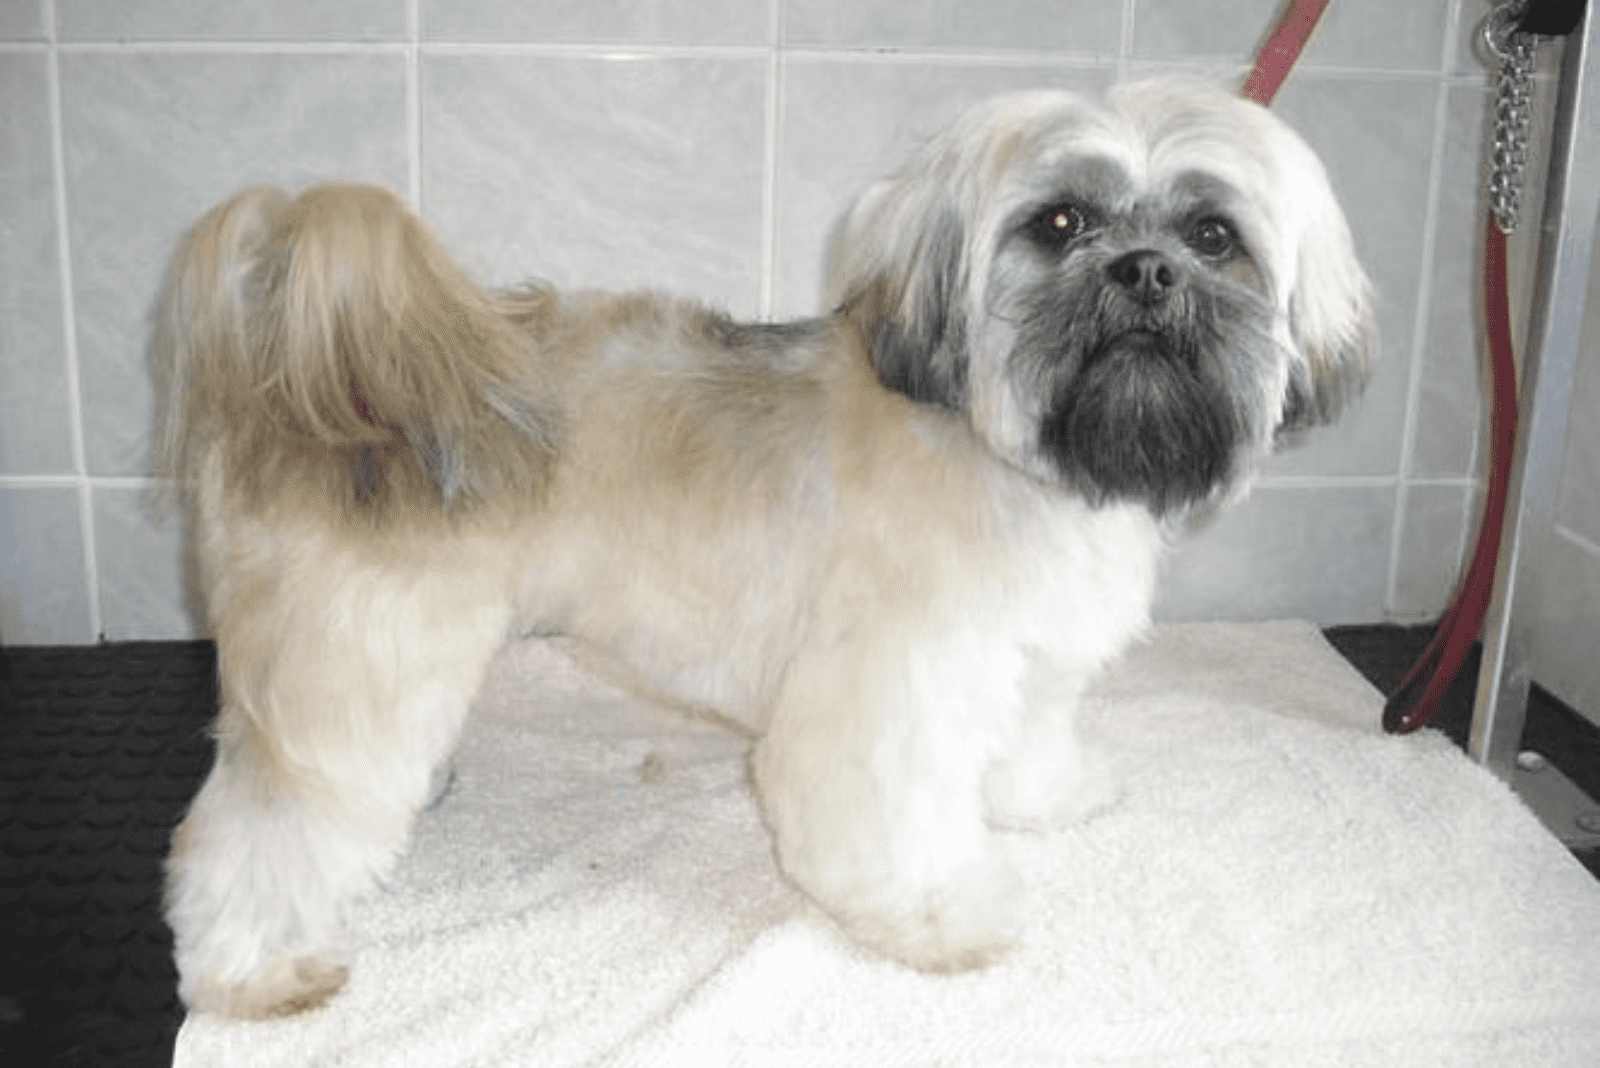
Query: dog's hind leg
[(344, 685)]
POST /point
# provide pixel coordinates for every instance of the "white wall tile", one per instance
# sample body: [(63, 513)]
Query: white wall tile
[(1434, 547), (1081, 27), (1566, 637), (152, 140), (256, 20), (1276, 555), (674, 22), (1375, 138), (847, 123), (1568, 609), (1579, 506), (540, 151), (43, 597), (1450, 405), (35, 424), (144, 568), (640, 172), (1378, 34), (22, 20)]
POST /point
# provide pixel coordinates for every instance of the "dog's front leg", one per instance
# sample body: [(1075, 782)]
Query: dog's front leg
[(1051, 777), (870, 776)]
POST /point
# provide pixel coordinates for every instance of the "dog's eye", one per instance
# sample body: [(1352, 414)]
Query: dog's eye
[(1213, 238), (1059, 224)]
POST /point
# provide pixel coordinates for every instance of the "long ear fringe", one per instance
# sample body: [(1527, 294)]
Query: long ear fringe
[(332, 331), (897, 270), (1332, 321)]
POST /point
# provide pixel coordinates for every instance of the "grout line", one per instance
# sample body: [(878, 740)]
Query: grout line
[(1471, 510), (999, 58), (617, 51), (1130, 17), (235, 47), (69, 330), (1567, 533), (1123, 61), (776, 72), (1419, 349), (129, 482), (1452, 37), (1442, 481), (595, 50), (1477, 79), (1473, 502), (137, 482), (1264, 482), (71, 482), (1280, 482), (413, 60)]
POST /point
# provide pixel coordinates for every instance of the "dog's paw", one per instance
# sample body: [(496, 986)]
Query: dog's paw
[(1039, 790), (969, 920), (286, 986)]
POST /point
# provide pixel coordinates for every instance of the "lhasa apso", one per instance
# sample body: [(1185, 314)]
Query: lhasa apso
[(893, 542)]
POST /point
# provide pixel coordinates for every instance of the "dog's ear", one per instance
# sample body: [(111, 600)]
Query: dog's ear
[(897, 270), (1331, 319)]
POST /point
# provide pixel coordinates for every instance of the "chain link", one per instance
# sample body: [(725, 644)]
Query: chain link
[(1513, 109)]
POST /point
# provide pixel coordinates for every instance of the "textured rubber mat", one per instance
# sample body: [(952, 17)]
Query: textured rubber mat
[(101, 749), (1384, 653)]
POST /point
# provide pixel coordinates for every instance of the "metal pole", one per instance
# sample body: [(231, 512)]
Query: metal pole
[(1566, 246)]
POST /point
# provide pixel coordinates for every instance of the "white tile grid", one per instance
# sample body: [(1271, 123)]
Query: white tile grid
[(1324, 595)]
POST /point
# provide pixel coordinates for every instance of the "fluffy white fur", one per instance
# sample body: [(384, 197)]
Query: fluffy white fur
[(892, 543)]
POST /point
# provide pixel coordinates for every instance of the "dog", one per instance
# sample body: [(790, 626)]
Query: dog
[(893, 543)]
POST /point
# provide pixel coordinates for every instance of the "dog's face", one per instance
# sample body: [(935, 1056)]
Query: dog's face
[(1133, 300)]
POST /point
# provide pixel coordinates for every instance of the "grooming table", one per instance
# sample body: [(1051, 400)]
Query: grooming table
[(1279, 883)]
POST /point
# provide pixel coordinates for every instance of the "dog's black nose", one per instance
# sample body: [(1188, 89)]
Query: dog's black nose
[(1148, 276)]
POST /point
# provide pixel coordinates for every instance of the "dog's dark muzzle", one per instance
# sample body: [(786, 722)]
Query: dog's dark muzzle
[(1140, 421), (1148, 348)]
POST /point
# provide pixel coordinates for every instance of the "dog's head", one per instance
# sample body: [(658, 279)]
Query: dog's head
[(1135, 299)]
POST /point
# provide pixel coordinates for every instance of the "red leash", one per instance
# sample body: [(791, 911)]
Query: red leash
[(1281, 50), (1416, 700), (1461, 624)]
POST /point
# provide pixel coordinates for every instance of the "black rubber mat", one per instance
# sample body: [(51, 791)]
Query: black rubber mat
[(101, 749), (1384, 653)]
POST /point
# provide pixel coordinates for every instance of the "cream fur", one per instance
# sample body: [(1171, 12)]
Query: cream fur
[(392, 472)]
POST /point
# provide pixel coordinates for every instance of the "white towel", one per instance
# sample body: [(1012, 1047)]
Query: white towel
[(1280, 884)]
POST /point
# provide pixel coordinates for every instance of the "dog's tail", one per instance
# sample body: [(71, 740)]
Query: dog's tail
[(326, 345)]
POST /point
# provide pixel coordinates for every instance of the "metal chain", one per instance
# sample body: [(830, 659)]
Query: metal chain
[(1513, 109)]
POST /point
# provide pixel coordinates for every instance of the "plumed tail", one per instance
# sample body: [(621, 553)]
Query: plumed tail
[(326, 345)]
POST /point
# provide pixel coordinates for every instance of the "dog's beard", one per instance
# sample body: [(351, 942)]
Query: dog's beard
[(1138, 422), (1148, 404)]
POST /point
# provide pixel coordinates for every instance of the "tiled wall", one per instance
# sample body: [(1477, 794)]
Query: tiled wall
[(699, 145), (1568, 588)]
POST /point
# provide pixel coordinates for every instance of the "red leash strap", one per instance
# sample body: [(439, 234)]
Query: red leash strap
[(1282, 48), (1416, 700)]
